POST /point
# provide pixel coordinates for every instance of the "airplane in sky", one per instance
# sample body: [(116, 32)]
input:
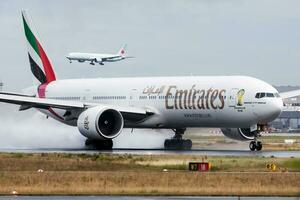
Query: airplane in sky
[(241, 106), (99, 58)]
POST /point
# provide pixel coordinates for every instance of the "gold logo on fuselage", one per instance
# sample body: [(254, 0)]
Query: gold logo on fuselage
[(194, 98), (240, 97)]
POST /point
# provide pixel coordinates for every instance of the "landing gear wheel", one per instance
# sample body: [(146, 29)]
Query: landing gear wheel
[(177, 143), (255, 145), (99, 144), (252, 146), (258, 146), (188, 144)]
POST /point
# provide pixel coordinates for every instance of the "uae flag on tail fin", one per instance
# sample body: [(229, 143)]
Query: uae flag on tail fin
[(39, 62)]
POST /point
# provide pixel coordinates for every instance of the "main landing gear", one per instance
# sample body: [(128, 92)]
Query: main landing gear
[(177, 143), (255, 145), (99, 144)]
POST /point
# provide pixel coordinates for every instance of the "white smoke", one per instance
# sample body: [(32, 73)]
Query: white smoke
[(142, 138), (31, 129)]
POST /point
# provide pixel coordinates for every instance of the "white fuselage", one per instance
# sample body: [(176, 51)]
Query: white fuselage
[(81, 57), (192, 101)]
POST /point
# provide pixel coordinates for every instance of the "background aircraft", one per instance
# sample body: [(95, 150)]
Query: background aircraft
[(98, 58)]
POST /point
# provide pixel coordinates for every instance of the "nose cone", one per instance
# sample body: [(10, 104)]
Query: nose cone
[(278, 106), (275, 109), (269, 111)]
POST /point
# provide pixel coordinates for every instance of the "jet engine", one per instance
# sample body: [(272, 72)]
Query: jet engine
[(98, 60), (100, 123), (238, 133)]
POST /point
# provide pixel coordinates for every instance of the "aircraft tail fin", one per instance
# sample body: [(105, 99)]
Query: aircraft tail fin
[(40, 64), (122, 51)]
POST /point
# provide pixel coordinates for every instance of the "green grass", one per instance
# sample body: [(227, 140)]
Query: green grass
[(108, 162), (293, 163)]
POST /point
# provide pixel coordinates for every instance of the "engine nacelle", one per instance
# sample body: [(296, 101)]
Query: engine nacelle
[(238, 133), (100, 123), (98, 60)]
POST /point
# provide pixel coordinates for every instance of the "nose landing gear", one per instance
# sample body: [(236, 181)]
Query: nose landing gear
[(255, 145), (177, 143)]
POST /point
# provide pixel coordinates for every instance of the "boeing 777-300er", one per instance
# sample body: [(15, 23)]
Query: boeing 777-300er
[(241, 106), (98, 58)]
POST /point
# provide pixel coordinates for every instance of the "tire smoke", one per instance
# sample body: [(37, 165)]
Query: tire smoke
[(31, 129)]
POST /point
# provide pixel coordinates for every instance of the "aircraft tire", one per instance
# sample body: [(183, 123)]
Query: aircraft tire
[(178, 144), (258, 146), (188, 144), (99, 144), (252, 146)]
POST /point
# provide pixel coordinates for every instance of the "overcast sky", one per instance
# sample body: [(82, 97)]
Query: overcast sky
[(258, 38)]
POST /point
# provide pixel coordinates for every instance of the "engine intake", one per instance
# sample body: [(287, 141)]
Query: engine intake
[(100, 123), (238, 133)]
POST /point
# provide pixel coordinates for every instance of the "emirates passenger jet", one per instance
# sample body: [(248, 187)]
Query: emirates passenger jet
[(241, 106)]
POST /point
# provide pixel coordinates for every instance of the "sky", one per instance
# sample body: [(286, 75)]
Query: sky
[(257, 38)]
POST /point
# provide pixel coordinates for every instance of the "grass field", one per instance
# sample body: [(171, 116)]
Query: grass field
[(104, 174)]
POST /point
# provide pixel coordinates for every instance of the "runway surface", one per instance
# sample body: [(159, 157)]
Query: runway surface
[(143, 198), (208, 152)]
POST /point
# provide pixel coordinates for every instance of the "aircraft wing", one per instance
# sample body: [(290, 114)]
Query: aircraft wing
[(104, 58), (116, 56), (290, 94), (17, 94), (27, 102), (38, 102)]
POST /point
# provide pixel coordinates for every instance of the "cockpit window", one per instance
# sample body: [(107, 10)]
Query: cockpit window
[(265, 94)]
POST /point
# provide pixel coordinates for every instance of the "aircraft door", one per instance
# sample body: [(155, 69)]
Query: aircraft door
[(232, 98), (133, 97), (86, 97)]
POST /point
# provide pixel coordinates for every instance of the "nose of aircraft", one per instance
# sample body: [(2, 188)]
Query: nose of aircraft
[(275, 108), (270, 111)]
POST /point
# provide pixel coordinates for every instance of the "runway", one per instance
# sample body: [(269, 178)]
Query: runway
[(207, 152)]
